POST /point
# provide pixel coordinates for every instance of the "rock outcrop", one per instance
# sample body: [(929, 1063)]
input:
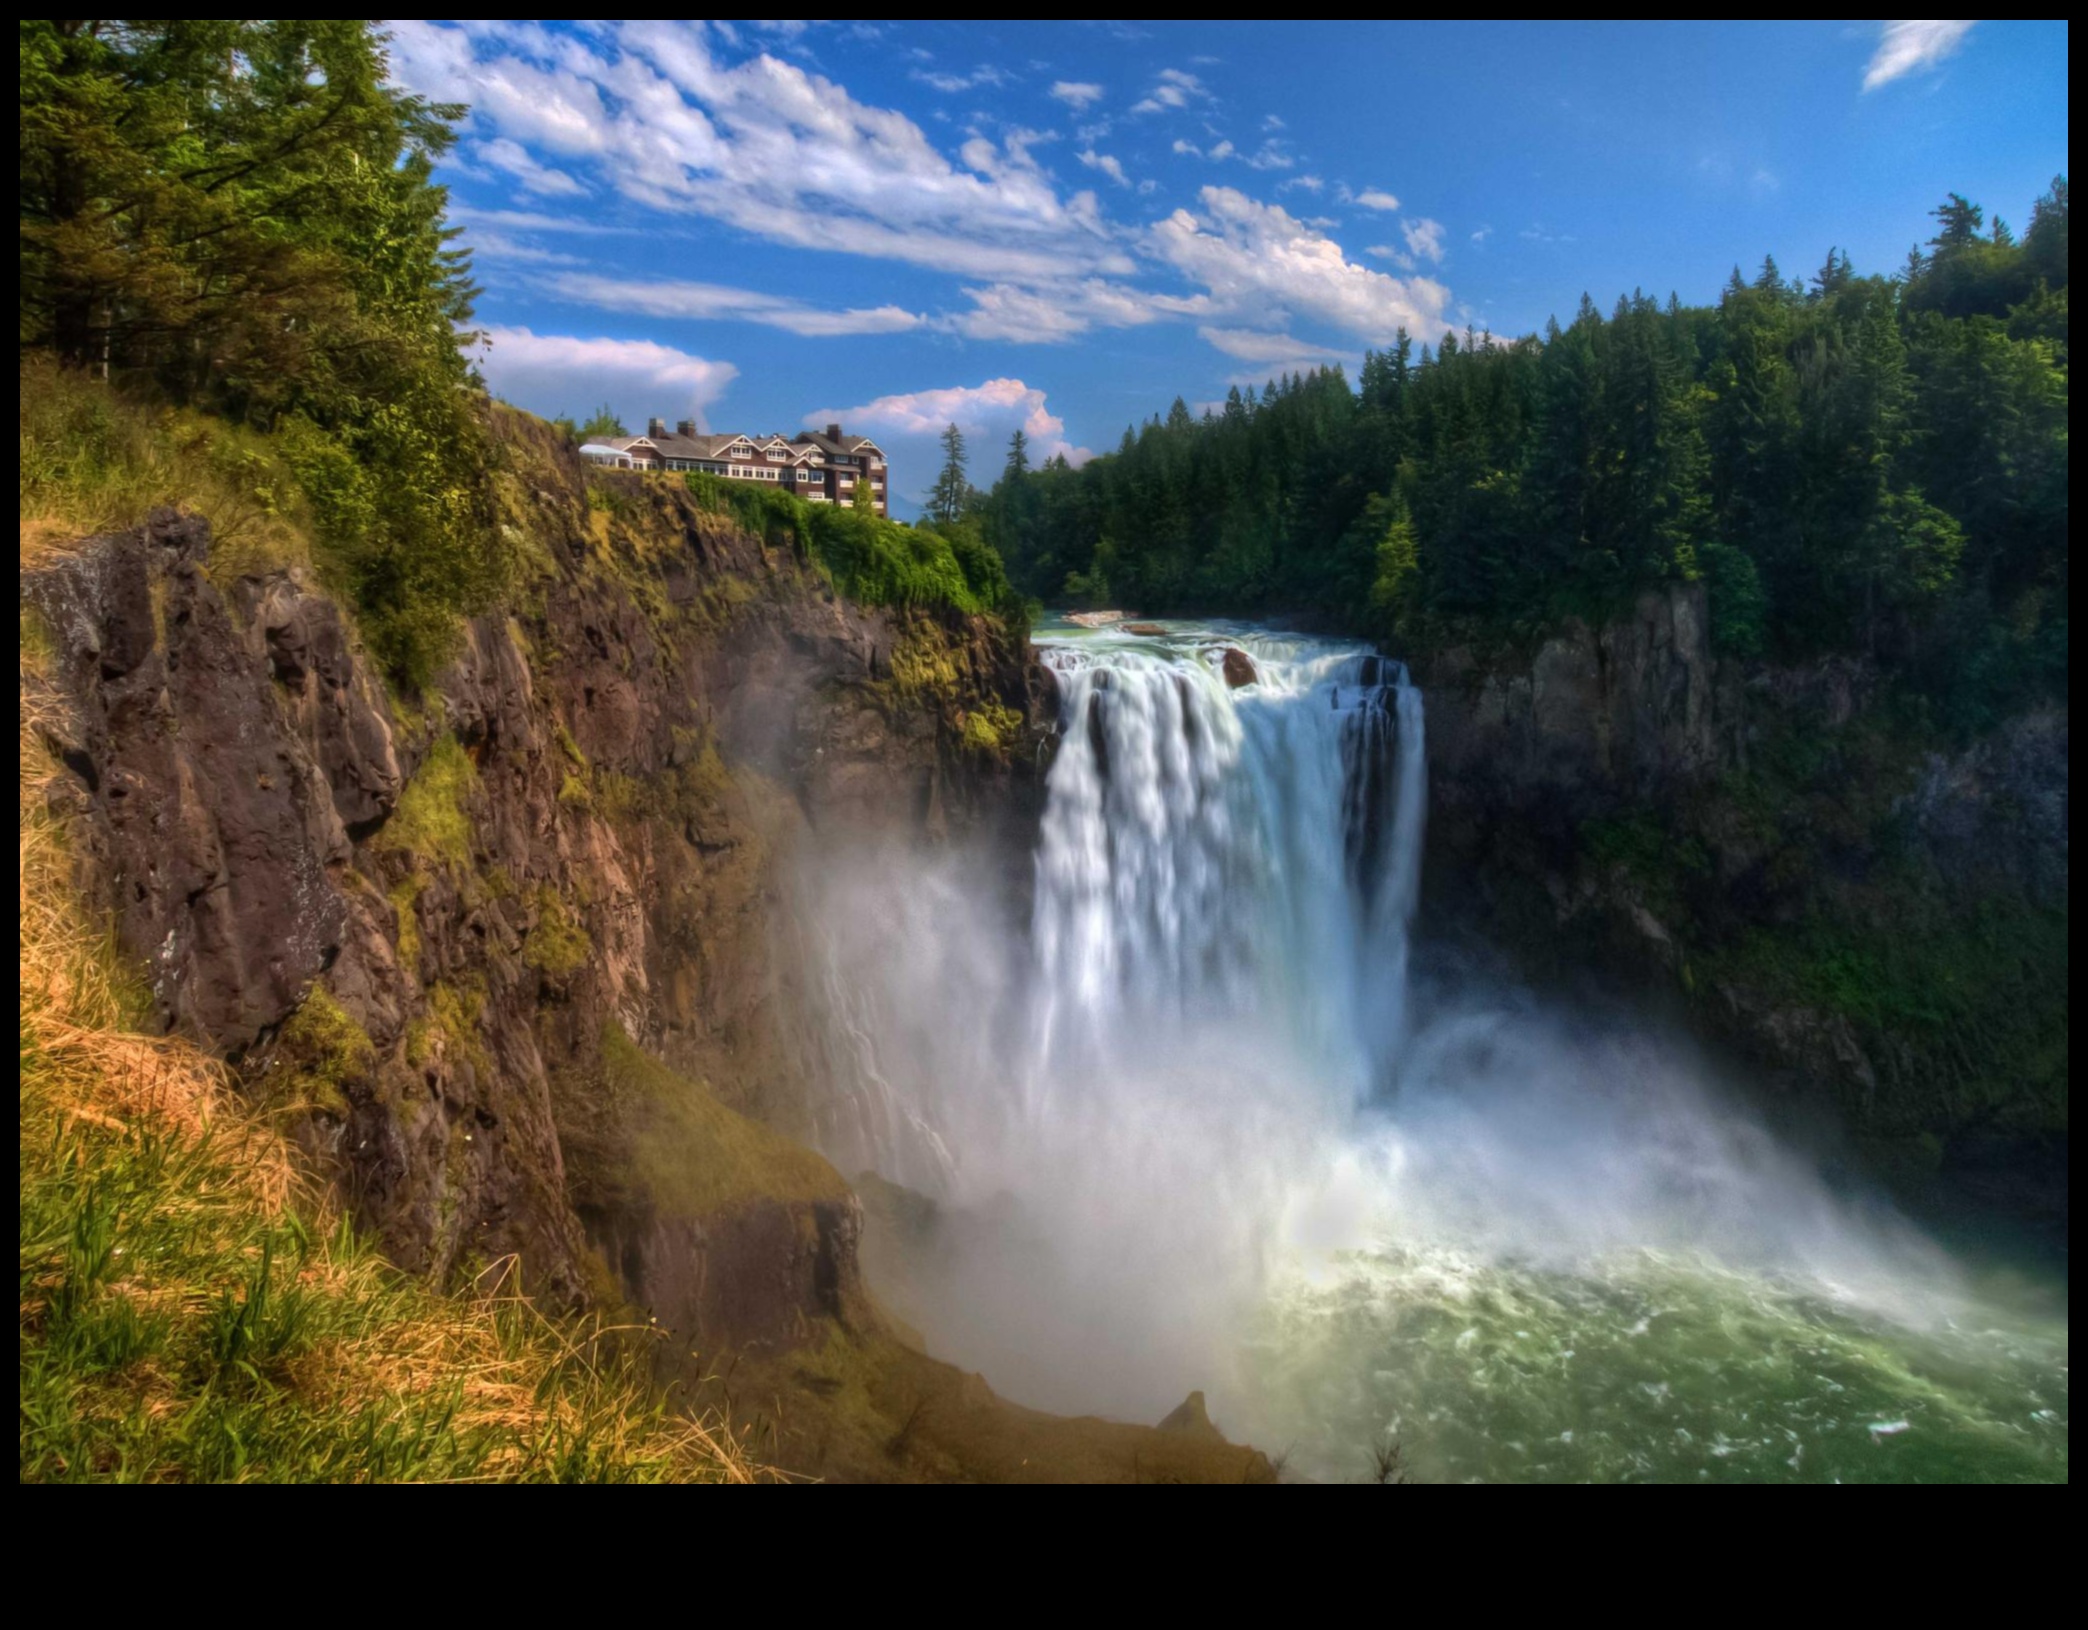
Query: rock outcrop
[(1874, 926), (415, 929)]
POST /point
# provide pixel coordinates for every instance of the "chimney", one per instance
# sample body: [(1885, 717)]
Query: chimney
[(656, 427), (833, 432), (685, 427)]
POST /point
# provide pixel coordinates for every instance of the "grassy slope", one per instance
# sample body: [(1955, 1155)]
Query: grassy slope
[(191, 1312)]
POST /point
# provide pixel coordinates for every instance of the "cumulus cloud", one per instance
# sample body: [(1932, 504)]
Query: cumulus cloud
[(716, 302), (560, 373), (1482, 234), (1110, 167), (1257, 258), (989, 411), (1077, 94), (1906, 47), (1424, 239), (1311, 183), (1374, 198)]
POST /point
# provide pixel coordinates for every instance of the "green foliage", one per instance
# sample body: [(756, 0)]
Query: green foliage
[(432, 821), (1859, 465), (601, 425), (991, 728), (237, 216), (555, 945), (872, 560), (693, 1153), (1966, 1009), (176, 1329), (322, 1052), (952, 494)]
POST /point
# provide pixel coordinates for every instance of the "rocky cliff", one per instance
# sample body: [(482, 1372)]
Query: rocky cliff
[(1813, 875), (511, 958)]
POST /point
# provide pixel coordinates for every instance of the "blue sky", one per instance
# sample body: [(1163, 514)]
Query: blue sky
[(1063, 226)]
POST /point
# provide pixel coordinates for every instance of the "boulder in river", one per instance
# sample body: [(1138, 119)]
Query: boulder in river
[(1149, 629), (1239, 668), (1095, 619)]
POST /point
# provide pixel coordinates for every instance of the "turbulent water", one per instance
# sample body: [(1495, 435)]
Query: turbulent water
[(1205, 1119)]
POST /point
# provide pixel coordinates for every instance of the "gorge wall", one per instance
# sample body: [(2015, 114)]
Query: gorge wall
[(514, 960), (507, 960), (1877, 923)]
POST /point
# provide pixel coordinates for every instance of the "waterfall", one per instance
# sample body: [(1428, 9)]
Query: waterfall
[(1206, 1119), (1210, 851)]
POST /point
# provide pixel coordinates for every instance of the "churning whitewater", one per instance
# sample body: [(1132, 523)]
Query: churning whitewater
[(1205, 1120)]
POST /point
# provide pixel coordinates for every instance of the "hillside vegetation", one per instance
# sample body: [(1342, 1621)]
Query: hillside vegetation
[(192, 1311), (1853, 463)]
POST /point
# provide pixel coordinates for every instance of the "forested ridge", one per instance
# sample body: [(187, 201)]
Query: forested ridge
[(1852, 462)]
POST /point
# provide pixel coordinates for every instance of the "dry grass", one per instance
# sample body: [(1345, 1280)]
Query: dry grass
[(192, 1310)]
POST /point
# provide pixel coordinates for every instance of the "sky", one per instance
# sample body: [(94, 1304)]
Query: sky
[(1061, 227)]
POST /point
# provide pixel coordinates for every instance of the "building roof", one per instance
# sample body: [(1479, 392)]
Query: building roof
[(845, 447)]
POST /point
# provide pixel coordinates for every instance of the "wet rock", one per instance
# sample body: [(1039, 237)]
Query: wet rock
[(1150, 630), (1239, 668), (1095, 619)]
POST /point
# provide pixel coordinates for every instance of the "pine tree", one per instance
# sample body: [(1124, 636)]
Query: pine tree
[(951, 495)]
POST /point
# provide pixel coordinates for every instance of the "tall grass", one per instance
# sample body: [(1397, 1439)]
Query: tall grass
[(192, 1312), (94, 459)]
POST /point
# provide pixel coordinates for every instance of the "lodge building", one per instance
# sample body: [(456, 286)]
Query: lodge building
[(820, 467)]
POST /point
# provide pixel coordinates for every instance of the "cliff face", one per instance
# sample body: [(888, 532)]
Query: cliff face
[(1782, 851), (507, 960)]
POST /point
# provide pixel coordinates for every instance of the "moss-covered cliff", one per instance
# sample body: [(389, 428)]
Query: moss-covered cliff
[(507, 958), (1811, 871)]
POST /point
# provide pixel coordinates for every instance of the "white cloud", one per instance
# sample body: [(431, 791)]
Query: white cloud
[(1253, 345), (994, 409), (1482, 234), (1053, 313), (1424, 239), (1374, 198), (491, 248), (515, 160), (985, 74), (1175, 88), (1077, 94), (1908, 46), (1311, 183), (1110, 167), (1257, 258), (762, 145), (1222, 150), (1271, 122), (1188, 147), (715, 302), (1384, 251), (558, 373)]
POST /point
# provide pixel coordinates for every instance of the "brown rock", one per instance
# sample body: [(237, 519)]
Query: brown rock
[(1239, 668)]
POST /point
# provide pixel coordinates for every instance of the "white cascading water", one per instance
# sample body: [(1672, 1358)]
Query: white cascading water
[(1197, 1124)]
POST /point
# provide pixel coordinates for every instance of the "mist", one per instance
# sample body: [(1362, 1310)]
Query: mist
[(1201, 1113)]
